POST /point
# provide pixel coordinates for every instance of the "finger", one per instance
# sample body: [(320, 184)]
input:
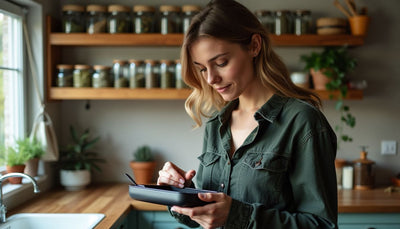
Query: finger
[(166, 178), (210, 197), (189, 176)]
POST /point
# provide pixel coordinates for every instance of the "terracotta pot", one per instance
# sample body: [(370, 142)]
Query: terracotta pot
[(143, 171), (319, 79), (15, 169), (32, 167)]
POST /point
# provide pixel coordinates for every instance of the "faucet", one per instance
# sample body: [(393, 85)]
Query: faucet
[(3, 208)]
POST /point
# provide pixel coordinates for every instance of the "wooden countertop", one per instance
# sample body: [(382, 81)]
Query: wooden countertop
[(113, 200)]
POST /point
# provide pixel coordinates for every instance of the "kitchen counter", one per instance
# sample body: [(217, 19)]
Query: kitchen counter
[(113, 200)]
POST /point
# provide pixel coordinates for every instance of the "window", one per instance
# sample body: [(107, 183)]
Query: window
[(12, 98)]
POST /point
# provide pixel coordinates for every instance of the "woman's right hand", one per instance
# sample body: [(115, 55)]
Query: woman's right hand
[(171, 174)]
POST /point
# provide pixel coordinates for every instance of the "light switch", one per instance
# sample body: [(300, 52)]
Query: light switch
[(388, 147)]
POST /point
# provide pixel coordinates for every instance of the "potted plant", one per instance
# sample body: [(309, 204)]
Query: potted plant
[(77, 161), (328, 70), (34, 150), (15, 161), (143, 165)]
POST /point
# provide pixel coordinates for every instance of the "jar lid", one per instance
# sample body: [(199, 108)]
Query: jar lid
[(137, 62), (65, 66), (328, 21), (177, 61), (96, 8), (167, 62), (118, 8), (262, 12), (118, 61), (143, 8), (303, 12), (71, 7), (82, 66), (101, 67), (190, 8), (169, 8), (152, 62)]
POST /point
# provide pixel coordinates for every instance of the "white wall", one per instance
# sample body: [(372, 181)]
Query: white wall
[(125, 125)]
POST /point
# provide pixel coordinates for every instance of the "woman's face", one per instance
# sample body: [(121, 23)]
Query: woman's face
[(227, 67)]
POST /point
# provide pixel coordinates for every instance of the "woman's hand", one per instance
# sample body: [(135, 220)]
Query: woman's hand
[(171, 174), (211, 215)]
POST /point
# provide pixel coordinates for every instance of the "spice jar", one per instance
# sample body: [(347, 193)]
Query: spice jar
[(73, 19), (302, 22), (143, 19), (120, 70), (82, 75), (64, 75), (96, 21), (282, 22), (363, 172), (152, 74), (188, 13), (167, 74), (179, 83), (119, 20), (170, 19), (101, 76), (266, 18), (136, 73)]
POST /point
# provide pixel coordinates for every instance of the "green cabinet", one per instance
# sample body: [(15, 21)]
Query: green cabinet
[(153, 220), (369, 221)]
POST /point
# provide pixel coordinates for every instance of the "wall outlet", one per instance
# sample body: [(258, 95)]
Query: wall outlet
[(388, 147)]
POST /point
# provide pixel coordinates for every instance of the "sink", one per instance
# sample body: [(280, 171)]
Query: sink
[(52, 220)]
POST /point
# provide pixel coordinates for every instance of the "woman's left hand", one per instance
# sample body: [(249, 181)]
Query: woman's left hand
[(211, 215)]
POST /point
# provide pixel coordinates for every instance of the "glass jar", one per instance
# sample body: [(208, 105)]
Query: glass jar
[(363, 172), (119, 20), (266, 18), (136, 73), (302, 22), (96, 21), (73, 19), (82, 75), (188, 13), (152, 74), (282, 22), (179, 84), (101, 76), (65, 74), (143, 19), (170, 21), (167, 74), (120, 70)]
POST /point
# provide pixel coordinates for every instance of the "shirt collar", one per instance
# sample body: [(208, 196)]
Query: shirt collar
[(269, 111)]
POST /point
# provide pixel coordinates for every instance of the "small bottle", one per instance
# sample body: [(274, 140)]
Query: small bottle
[(152, 74), (65, 75), (82, 75), (101, 76), (119, 20), (179, 83), (266, 18), (167, 74), (143, 19), (136, 73), (282, 22), (170, 21), (188, 13), (73, 19), (302, 22), (120, 70), (96, 19), (363, 172)]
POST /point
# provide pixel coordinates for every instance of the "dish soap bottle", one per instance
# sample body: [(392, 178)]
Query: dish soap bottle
[(363, 172)]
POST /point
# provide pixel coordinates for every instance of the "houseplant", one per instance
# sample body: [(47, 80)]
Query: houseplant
[(77, 161), (143, 165), (332, 65), (15, 161), (34, 150)]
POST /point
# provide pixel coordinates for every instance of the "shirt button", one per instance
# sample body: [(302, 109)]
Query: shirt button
[(222, 185), (229, 163)]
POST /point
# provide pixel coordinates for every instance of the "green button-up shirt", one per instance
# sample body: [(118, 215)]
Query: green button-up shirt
[(283, 175)]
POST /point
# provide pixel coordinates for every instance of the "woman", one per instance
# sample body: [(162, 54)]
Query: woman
[(268, 150)]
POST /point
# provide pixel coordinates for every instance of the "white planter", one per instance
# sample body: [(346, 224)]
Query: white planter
[(74, 180)]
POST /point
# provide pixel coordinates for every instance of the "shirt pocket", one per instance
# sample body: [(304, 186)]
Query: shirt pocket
[(210, 171), (267, 172)]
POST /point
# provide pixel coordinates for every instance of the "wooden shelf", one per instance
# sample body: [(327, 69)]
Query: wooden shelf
[(57, 93), (156, 39)]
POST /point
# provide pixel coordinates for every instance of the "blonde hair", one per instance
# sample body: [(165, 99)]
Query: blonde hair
[(229, 20)]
